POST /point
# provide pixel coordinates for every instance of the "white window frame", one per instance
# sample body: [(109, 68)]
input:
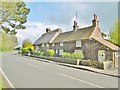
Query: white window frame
[(78, 43), (61, 52), (78, 50), (61, 43), (56, 51), (47, 45), (37, 47), (43, 45), (53, 44)]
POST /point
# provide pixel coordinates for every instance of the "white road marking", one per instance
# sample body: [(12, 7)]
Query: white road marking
[(80, 80), (7, 79)]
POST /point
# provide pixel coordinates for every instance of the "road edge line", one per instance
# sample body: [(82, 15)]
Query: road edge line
[(80, 80), (6, 78)]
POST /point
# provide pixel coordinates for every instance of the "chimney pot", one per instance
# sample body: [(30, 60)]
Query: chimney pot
[(95, 21), (59, 30), (48, 30), (75, 26)]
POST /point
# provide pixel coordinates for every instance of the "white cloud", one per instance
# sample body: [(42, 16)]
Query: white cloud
[(33, 31)]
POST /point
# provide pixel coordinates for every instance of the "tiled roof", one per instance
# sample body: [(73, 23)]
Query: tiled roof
[(82, 33)]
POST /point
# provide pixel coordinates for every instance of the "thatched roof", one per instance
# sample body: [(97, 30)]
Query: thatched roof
[(47, 37), (82, 33)]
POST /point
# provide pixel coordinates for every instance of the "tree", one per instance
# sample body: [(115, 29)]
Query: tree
[(115, 33), (13, 15), (27, 43), (7, 42)]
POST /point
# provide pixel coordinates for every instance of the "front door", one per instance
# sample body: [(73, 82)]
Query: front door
[(101, 55)]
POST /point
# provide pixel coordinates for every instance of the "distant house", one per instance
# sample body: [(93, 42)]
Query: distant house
[(88, 40), (45, 41)]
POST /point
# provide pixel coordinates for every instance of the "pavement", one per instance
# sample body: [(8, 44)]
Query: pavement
[(110, 72), (27, 72)]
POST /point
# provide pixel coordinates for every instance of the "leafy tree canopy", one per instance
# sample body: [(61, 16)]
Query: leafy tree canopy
[(27, 44), (115, 33), (13, 15)]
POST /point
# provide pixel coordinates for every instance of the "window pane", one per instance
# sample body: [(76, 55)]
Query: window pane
[(47, 45), (61, 43), (42, 45), (60, 52), (53, 44), (78, 43)]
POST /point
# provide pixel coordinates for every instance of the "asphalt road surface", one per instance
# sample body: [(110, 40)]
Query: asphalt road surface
[(24, 72)]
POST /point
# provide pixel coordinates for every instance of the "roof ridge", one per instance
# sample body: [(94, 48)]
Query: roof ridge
[(85, 27), (77, 29)]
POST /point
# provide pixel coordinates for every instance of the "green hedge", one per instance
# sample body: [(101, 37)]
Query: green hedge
[(50, 52), (24, 50), (75, 55), (38, 53)]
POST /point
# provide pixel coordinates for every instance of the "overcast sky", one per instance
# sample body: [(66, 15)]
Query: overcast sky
[(62, 14)]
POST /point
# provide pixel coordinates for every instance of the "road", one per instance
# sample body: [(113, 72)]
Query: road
[(24, 72)]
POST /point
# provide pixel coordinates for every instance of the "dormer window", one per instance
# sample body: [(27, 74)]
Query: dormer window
[(78, 43), (61, 43)]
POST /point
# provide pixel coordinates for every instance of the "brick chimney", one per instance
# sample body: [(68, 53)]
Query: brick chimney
[(75, 26), (95, 21), (48, 30), (59, 30)]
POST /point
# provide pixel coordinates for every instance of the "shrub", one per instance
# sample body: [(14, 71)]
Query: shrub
[(75, 55), (50, 52), (94, 63), (27, 49), (66, 55), (38, 53), (24, 50)]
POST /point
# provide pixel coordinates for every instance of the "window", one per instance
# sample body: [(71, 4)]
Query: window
[(47, 45), (61, 43), (53, 44), (42, 45), (78, 43), (60, 52), (37, 48), (78, 51), (56, 51)]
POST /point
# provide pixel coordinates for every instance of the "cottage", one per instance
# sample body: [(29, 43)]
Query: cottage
[(87, 40), (45, 41)]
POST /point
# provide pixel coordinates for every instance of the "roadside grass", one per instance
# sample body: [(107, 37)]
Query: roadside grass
[(1, 84), (3, 49)]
